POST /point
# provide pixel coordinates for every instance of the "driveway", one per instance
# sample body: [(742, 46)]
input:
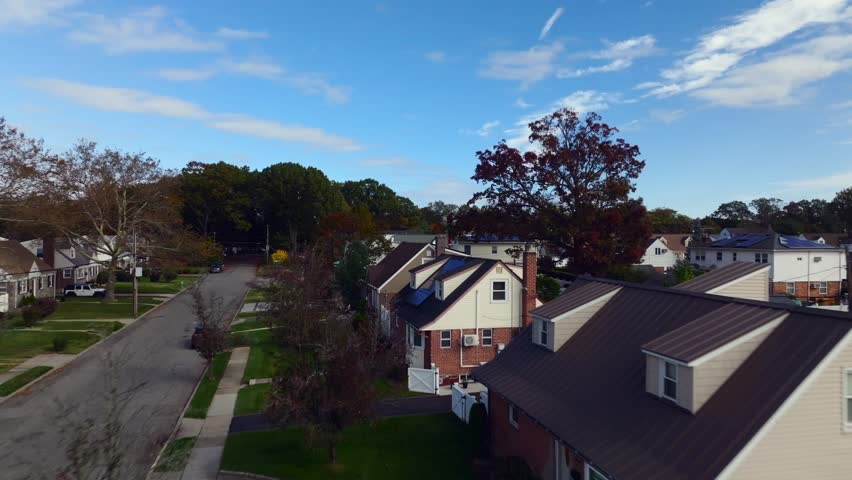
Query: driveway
[(150, 357)]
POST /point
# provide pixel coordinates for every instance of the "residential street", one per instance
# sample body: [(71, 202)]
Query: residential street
[(151, 355)]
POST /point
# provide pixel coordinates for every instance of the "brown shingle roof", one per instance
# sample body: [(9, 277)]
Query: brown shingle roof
[(591, 393), (16, 259), (720, 276), (573, 298), (713, 330), (675, 241), (381, 272)]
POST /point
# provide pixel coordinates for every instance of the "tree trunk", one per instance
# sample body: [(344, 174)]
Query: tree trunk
[(294, 238), (332, 452), (109, 295)]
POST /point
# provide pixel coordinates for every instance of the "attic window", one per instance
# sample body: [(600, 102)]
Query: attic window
[(498, 291), (493, 248), (670, 380), (543, 333)]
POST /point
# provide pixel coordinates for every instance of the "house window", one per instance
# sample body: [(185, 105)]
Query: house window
[(658, 251), (513, 416), (73, 253), (700, 255), (498, 291), (22, 287), (592, 474), (817, 259), (823, 288), (734, 256), (847, 398), (718, 256), (487, 337), (446, 338), (791, 288), (467, 249), (66, 273), (50, 281), (670, 381), (415, 338), (761, 258), (80, 273), (439, 290), (41, 283), (493, 248), (429, 252), (542, 338)]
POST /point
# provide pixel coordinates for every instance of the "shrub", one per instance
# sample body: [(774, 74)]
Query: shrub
[(44, 307), (59, 344), (27, 301), (169, 275), (102, 278), (29, 316), (479, 429), (123, 276), (547, 288), (154, 275)]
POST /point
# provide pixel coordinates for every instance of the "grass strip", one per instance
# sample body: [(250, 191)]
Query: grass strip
[(252, 399), (10, 386), (176, 455), (203, 397)]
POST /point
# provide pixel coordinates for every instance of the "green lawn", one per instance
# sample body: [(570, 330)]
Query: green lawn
[(249, 325), (387, 389), (176, 455), (204, 394), (147, 286), (255, 295), (252, 399), (417, 447), (102, 326), (264, 355), (21, 345), (94, 308), (5, 367), (10, 386)]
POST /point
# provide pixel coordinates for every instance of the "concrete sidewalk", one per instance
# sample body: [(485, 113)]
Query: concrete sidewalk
[(53, 360), (206, 455)]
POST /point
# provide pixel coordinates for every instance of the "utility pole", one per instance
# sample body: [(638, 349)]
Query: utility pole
[(267, 244), (135, 280)]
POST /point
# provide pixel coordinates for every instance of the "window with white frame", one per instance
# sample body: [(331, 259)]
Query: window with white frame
[(823, 288), (487, 337), (493, 249), (50, 280), (791, 288), (669, 372), (499, 292), (658, 251), (72, 253), (446, 338), (439, 290), (66, 273), (592, 474), (761, 258), (847, 398), (415, 338), (513, 416), (543, 332), (22, 286), (40, 283), (700, 255), (718, 256)]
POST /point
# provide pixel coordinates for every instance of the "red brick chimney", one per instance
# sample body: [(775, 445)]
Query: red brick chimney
[(529, 287), (48, 249)]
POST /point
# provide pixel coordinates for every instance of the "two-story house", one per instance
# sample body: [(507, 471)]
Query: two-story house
[(616, 380), (665, 250), (460, 312), (803, 269), (490, 246), (22, 275), (73, 263)]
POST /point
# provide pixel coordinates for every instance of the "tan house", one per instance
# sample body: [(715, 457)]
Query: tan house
[(22, 275), (616, 380)]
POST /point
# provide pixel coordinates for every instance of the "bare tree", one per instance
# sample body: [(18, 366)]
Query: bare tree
[(212, 321), (21, 161)]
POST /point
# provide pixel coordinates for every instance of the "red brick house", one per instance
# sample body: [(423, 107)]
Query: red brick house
[(615, 380), (460, 312)]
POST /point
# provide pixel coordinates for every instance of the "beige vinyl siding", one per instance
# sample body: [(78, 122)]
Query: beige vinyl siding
[(652, 374), (808, 440), (453, 282), (565, 328), (686, 378), (483, 250), (710, 375), (402, 278), (654, 380), (753, 287), (421, 275), (468, 313)]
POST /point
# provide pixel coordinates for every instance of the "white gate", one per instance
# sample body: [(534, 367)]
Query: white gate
[(464, 401), (4, 302), (423, 380)]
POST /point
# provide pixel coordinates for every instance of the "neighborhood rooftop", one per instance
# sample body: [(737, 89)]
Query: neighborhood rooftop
[(15, 258), (591, 392), (721, 276), (380, 273), (772, 241)]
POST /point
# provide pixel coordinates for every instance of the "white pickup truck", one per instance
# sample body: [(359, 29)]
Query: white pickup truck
[(84, 290)]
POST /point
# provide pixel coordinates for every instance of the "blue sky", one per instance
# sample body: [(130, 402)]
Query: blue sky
[(726, 100)]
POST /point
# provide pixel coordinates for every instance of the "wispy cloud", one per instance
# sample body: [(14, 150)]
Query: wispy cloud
[(836, 181), (484, 130), (28, 13), (450, 189), (239, 34), (386, 162), (147, 30), (620, 55), (436, 56), (112, 99), (525, 66), (521, 103), (667, 116), (720, 50), (550, 22)]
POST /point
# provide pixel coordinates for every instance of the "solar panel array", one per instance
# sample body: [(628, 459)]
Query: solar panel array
[(421, 294), (796, 242), (743, 241)]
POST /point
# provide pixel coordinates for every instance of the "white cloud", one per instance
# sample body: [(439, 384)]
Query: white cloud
[(550, 21), (436, 57), (111, 99), (526, 66), (667, 116), (147, 30), (239, 34), (484, 130), (449, 189), (27, 13), (620, 55), (837, 181), (521, 103), (186, 74), (386, 162), (722, 49), (315, 84)]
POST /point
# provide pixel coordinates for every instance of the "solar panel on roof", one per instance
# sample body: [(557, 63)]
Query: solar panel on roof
[(452, 264), (419, 296), (749, 240), (796, 242)]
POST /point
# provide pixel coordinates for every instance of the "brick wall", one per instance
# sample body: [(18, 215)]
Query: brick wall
[(447, 359), (804, 291), (530, 290)]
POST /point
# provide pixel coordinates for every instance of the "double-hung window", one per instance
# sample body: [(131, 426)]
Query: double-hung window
[(66, 273), (761, 258), (22, 287), (446, 338), (415, 338), (847, 398), (670, 380), (658, 251), (41, 283), (499, 294), (823, 288), (493, 249), (791, 288), (718, 256), (439, 290), (50, 280), (543, 332), (734, 256), (487, 337)]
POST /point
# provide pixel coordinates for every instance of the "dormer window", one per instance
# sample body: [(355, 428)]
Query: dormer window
[(73, 253), (439, 290), (669, 373), (499, 291), (543, 333)]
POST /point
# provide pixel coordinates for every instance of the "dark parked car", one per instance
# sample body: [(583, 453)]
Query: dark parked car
[(217, 268), (196, 336)]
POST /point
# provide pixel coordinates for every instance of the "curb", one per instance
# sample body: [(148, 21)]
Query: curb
[(46, 374), (246, 475)]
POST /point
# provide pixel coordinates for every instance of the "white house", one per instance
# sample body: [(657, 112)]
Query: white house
[(23, 275), (664, 250), (803, 269), (732, 232), (493, 247)]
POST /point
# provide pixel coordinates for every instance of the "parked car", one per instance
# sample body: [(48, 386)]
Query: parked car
[(196, 336), (217, 268), (84, 290)]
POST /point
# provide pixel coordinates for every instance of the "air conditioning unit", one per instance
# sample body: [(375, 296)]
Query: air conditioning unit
[(470, 340)]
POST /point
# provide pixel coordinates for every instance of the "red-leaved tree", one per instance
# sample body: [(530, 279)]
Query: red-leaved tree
[(571, 190)]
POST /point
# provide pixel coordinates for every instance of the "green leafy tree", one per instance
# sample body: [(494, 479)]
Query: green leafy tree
[(437, 215), (351, 273), (684, 271), (390, 211), (668, 220), (732, 214), (217, 197), (547, 288), (766, 210), (841, 206)]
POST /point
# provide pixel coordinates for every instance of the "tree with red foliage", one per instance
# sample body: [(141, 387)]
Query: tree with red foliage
[(571, 190)]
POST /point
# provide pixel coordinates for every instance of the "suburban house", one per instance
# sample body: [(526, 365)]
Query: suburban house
[(665, 250), (732, 232), (803, 269), (616, 380), (747, 280), (409, 236), (73, 263), (457, 313), (833, 239), (490, 246), (22, 274)]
